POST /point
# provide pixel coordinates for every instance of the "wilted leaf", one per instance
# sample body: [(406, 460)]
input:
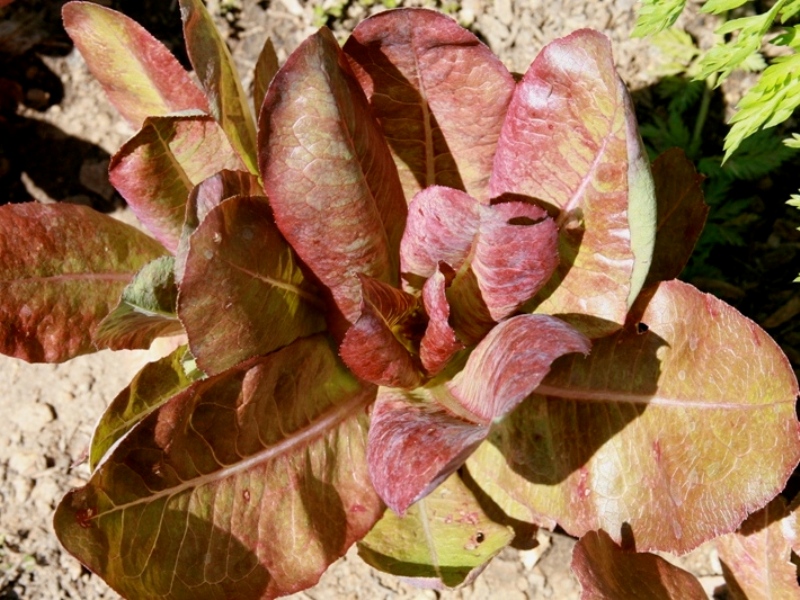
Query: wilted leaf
[(139, 75), (266, 67), (62, 270), (378, 347), (444, 540), (146, 310), (570, 140), (246, 485), (243, 293), (439, 93), (607, 572), (661, 430), (214, 66), (681, 214), (329, 174), (150, 388), (157, 168), (757, 558)]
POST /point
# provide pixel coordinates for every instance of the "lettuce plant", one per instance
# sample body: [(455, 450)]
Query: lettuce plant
[(424, 304)]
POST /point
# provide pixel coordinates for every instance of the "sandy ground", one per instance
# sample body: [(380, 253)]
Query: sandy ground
[(49, 410)]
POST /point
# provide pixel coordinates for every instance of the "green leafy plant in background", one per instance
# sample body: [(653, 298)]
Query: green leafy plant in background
[(422, 303)]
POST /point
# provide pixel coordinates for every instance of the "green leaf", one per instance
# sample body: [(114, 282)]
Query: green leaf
[(758, 155), (214, 66), (62, 270), (769, 102), (139, 75), (150, 388), (443, 540), (720, 6), (243, 293), (607, 572), (146, 310), (157, 168), (658, 432), (248, 484), (657, 15)]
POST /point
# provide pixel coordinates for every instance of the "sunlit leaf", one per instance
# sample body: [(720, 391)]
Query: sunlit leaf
[(214, 66), (157, 168), (660, 430), (444, 540), (139, 75), (146, 310), (62, 270), (570, 141), (757, 558), (247, 484), (607, 572), (329, 174), (439, 343), (266, 67), (243, 293), (439, 93), (657, 15), (150, 388)]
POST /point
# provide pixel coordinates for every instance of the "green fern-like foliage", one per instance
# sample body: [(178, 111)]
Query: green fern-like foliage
[(657, 15)]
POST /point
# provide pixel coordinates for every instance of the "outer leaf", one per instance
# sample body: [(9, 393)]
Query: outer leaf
[(206, 195), (378, 347), (329, 173), (139, 75), (214, 66), (606, 572), (444, 540), (757, 558), (243, 293), (418, 438), (62, 269), (157, 168), (415, 444), (570, 140), (439, 343), (511, 362), (439, 93), (146, 310), (153, 386), (658, 431), (681, 214), (247, 485), (266, 67)]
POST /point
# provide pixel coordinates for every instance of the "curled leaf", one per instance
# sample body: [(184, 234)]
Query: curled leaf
[(439, 343)]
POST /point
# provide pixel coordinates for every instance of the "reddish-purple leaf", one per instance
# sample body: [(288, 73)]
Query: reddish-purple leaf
[(243, 293), (414, 444), (378, 347), (62, 270), (515, 255), (248, 484), (607, 572), (206, 195), (570, 140), (139, 75), (441, 227), (329, 174), (757, 558), (660, 429), (266, 67), (681, 214), (439, 343), (150, 388), (444, 540), (510, 362), (439, 93), (157, 168), (146, 310), (214, 66)]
